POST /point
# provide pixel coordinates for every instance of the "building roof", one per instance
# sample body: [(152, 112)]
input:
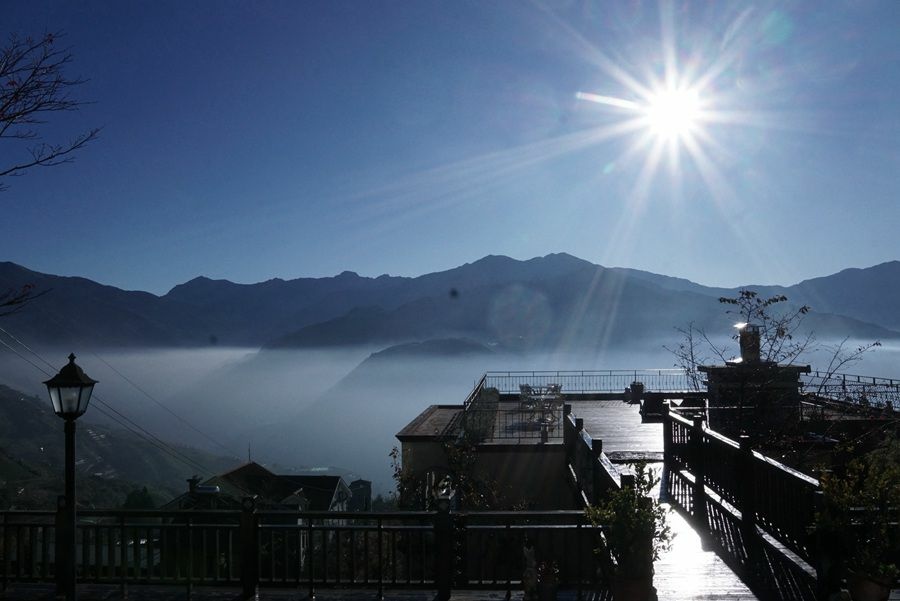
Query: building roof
[(433, 423), (248, 479), (319, 491), (202, 500)]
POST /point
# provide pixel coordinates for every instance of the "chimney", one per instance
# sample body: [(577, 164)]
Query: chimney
[(749, 340), (193, 481)]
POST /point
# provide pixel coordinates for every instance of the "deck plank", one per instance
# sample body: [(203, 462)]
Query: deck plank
[(619, 425)]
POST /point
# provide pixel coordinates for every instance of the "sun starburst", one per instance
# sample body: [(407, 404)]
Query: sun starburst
[(673, 113)]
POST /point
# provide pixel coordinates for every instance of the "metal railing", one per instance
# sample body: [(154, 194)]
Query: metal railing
[(300, 550), (585, 382), (847, 388), (863, 391)]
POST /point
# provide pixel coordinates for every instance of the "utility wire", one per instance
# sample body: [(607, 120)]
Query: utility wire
[(162, 406), (107, 410), (136, 387)]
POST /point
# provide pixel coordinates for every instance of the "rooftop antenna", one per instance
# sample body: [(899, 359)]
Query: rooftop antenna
[(248, 452)]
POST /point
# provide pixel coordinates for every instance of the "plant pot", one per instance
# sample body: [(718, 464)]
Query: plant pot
[(547, 591), (633, 589), (868, 588)]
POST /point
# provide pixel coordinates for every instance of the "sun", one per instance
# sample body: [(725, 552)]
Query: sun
[(673, 114)]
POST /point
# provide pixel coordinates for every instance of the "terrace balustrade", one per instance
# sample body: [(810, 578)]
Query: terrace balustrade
[(440, 550), (761, 512)]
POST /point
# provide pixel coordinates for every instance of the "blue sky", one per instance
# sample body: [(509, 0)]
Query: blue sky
[(251, 140)]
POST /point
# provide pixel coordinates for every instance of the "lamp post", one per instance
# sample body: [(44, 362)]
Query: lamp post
[(70, 392)]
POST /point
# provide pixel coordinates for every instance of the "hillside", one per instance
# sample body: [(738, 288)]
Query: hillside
[(110, 462)]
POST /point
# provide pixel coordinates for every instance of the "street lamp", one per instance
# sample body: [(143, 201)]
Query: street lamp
[(70, 392)]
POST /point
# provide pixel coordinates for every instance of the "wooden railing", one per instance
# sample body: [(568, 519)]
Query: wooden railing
[(768, 494), (249, 548), (736, 493), (591, 473)]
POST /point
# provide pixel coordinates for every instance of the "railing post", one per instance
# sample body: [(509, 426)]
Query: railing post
[(4, 549), (596, 481), (443, 542), (667, 434), (747, 486), (568, 432), (60, 550), (249, 537), (828, 576), (698, 500)]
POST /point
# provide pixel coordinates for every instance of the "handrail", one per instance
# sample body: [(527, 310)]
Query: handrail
[(312, 549), (831, 385), (854, 390), (473, 395), (853, 378), (769, 494), (592, 381), (591, 472)]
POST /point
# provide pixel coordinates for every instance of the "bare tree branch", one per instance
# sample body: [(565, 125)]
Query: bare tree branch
[(777, 329), (32, 87)]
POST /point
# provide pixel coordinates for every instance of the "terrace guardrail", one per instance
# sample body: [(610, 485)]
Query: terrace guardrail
[(854, 389), (734, 492), (863, 391), (250, 548), (594, 381)]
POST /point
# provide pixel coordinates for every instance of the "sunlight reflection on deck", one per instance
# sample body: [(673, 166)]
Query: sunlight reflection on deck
[(688, 571)]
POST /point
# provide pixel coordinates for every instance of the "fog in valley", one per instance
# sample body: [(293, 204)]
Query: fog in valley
[(309, 409)]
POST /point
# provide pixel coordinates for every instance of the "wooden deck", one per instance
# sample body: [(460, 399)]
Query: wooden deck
[(619, 425), (690, 570)]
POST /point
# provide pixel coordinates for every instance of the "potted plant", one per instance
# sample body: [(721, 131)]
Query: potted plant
[(548, 580), (858, 524), (634, 530)]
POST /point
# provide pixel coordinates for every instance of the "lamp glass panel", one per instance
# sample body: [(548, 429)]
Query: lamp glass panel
[(86, 396), (70, 399), (54, 399)]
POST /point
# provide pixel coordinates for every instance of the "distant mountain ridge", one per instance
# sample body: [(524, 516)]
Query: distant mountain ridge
[(546, 302)]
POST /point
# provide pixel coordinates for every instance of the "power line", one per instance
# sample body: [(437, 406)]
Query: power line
[(162, 406), (136, 387), (111, 413), (105, 409)]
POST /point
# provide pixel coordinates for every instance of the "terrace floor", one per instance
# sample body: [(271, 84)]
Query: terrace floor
[(619, 424), (690, 570)]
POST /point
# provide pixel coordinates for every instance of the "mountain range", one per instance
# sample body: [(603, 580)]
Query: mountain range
[(556, 301)]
